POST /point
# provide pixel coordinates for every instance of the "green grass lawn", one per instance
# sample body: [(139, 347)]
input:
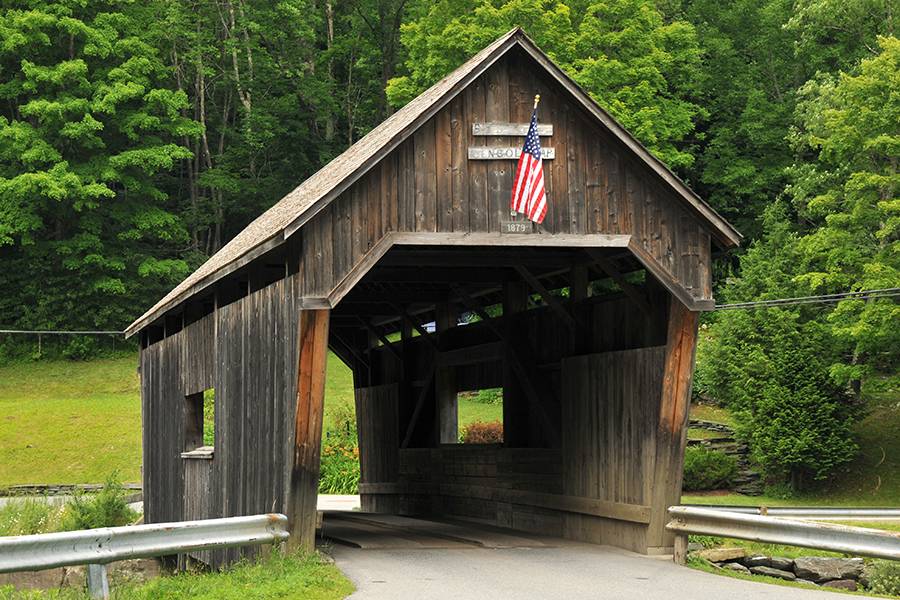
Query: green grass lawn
[(276, 577), (66, 421), (70, 422)]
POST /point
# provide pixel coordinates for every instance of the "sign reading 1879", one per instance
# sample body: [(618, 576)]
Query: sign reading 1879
[(516, 227)]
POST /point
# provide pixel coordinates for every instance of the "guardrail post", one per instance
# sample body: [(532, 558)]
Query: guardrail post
[(97, 582), (679, 554)]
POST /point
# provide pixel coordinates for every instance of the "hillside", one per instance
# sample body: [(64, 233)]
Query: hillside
[(76, 422)]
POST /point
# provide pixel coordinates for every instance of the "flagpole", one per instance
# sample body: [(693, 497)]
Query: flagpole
[(537, 99)]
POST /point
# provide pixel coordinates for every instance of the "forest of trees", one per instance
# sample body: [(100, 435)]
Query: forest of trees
[(136, 138)]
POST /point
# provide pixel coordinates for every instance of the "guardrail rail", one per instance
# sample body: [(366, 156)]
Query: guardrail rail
[(813, 513), (98, 547), (778, 530)]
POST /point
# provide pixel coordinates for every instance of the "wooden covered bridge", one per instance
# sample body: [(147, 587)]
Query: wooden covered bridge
[(588, 322)]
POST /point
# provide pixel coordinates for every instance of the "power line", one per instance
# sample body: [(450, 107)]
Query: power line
[(821, 299), (60, 332)]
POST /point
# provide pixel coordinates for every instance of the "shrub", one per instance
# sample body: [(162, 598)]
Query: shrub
[(884, 578), (339, 469), (489, 396), (706, 469), (107, 508), (483, 433), (27, 516)]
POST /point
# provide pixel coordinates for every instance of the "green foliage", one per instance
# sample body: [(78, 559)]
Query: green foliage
[(87, 128), (485, 396), (106, 508), (339, 465), (642, 69), (28, 516), (884, 577), (209, 417), (706, 469), (482, 433)]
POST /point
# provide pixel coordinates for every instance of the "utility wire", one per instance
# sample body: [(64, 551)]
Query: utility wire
[(61, 332), (822, 299)]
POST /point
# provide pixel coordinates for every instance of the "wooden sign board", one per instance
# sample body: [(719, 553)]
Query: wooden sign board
[(516, 227), (509, 129), (490, 153)]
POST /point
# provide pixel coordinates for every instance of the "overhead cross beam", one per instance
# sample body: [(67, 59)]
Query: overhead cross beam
[(609, 267), (415, 324), (386, 342), (549, 298)]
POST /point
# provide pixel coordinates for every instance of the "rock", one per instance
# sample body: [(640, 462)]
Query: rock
[(821, 569), (136, 570), (695, 547), (807, 581), (784, 564), (841, 584), (722, 554), (736, 567), (770, 572), (756, 561)]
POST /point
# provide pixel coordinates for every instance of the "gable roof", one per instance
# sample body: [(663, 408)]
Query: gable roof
[(290, 213)]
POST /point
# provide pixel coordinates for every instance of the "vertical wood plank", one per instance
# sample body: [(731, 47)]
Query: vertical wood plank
[(478, 193), (425, 177), (443, 169), (671, 435), (499, 176), (575, 159), (312, 338), (459, 180)]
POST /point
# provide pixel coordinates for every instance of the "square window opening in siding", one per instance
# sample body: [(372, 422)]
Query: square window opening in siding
[(199, 424), (480, 416)]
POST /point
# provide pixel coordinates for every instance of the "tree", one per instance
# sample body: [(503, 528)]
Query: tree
[(86, 128), (844, 187), (643, 70), (771, 367)]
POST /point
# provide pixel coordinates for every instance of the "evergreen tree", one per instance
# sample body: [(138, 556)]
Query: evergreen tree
[(86, 127)]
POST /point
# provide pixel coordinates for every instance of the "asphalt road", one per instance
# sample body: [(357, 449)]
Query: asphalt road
[(393, 557), (567, 572)]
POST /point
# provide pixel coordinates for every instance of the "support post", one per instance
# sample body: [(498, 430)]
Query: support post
[(312, 340), (97, 582), (445, 381), (671, 433), (516, 422), (679, 554)]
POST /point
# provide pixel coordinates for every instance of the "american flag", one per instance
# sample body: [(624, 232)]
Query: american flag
[(528, 194)]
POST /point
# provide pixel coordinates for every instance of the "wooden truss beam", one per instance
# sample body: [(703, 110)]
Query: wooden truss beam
[(549, 298), (377, 333), (609, 267)]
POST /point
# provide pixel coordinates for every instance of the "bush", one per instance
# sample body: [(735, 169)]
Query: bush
[(706, 469), (28, 516), (489, 396), (107, 508), (339, 465), (483, 433), (884, 578), (339, 469)]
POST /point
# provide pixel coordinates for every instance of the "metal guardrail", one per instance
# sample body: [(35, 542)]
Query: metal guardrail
[(813, 513), (776, 530), (97, 547)]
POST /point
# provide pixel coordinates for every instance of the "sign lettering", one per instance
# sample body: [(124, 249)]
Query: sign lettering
[(490, 153), (510, 129)]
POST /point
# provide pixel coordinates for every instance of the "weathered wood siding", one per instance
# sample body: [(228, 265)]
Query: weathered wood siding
[(246, 351), (610, 416), (428, 185), (603, 394), (379, 443)]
